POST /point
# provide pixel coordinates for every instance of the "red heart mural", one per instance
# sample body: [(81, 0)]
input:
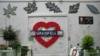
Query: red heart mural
[(46, 25)]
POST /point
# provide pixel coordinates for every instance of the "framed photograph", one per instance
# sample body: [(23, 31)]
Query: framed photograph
[(85, 19)]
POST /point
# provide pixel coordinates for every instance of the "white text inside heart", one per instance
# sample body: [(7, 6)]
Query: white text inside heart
[(46, 38)]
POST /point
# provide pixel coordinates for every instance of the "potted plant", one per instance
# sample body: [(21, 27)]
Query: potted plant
[(9, 34), (87, 43), (98, 50), (17, 46), (24, 50)]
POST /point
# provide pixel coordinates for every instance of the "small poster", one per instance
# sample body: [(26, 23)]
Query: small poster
[(85, 19)]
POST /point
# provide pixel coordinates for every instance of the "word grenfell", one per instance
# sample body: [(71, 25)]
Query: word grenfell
[(46, 33)]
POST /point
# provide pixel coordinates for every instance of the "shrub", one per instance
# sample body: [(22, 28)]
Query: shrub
[(87, 42)]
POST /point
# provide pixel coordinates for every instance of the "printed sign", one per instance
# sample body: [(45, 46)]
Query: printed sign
[(74, 52), (54, 34), (47, 33), (85, 20)]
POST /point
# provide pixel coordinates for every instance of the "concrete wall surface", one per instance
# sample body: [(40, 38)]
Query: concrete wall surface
[(75, 32)]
